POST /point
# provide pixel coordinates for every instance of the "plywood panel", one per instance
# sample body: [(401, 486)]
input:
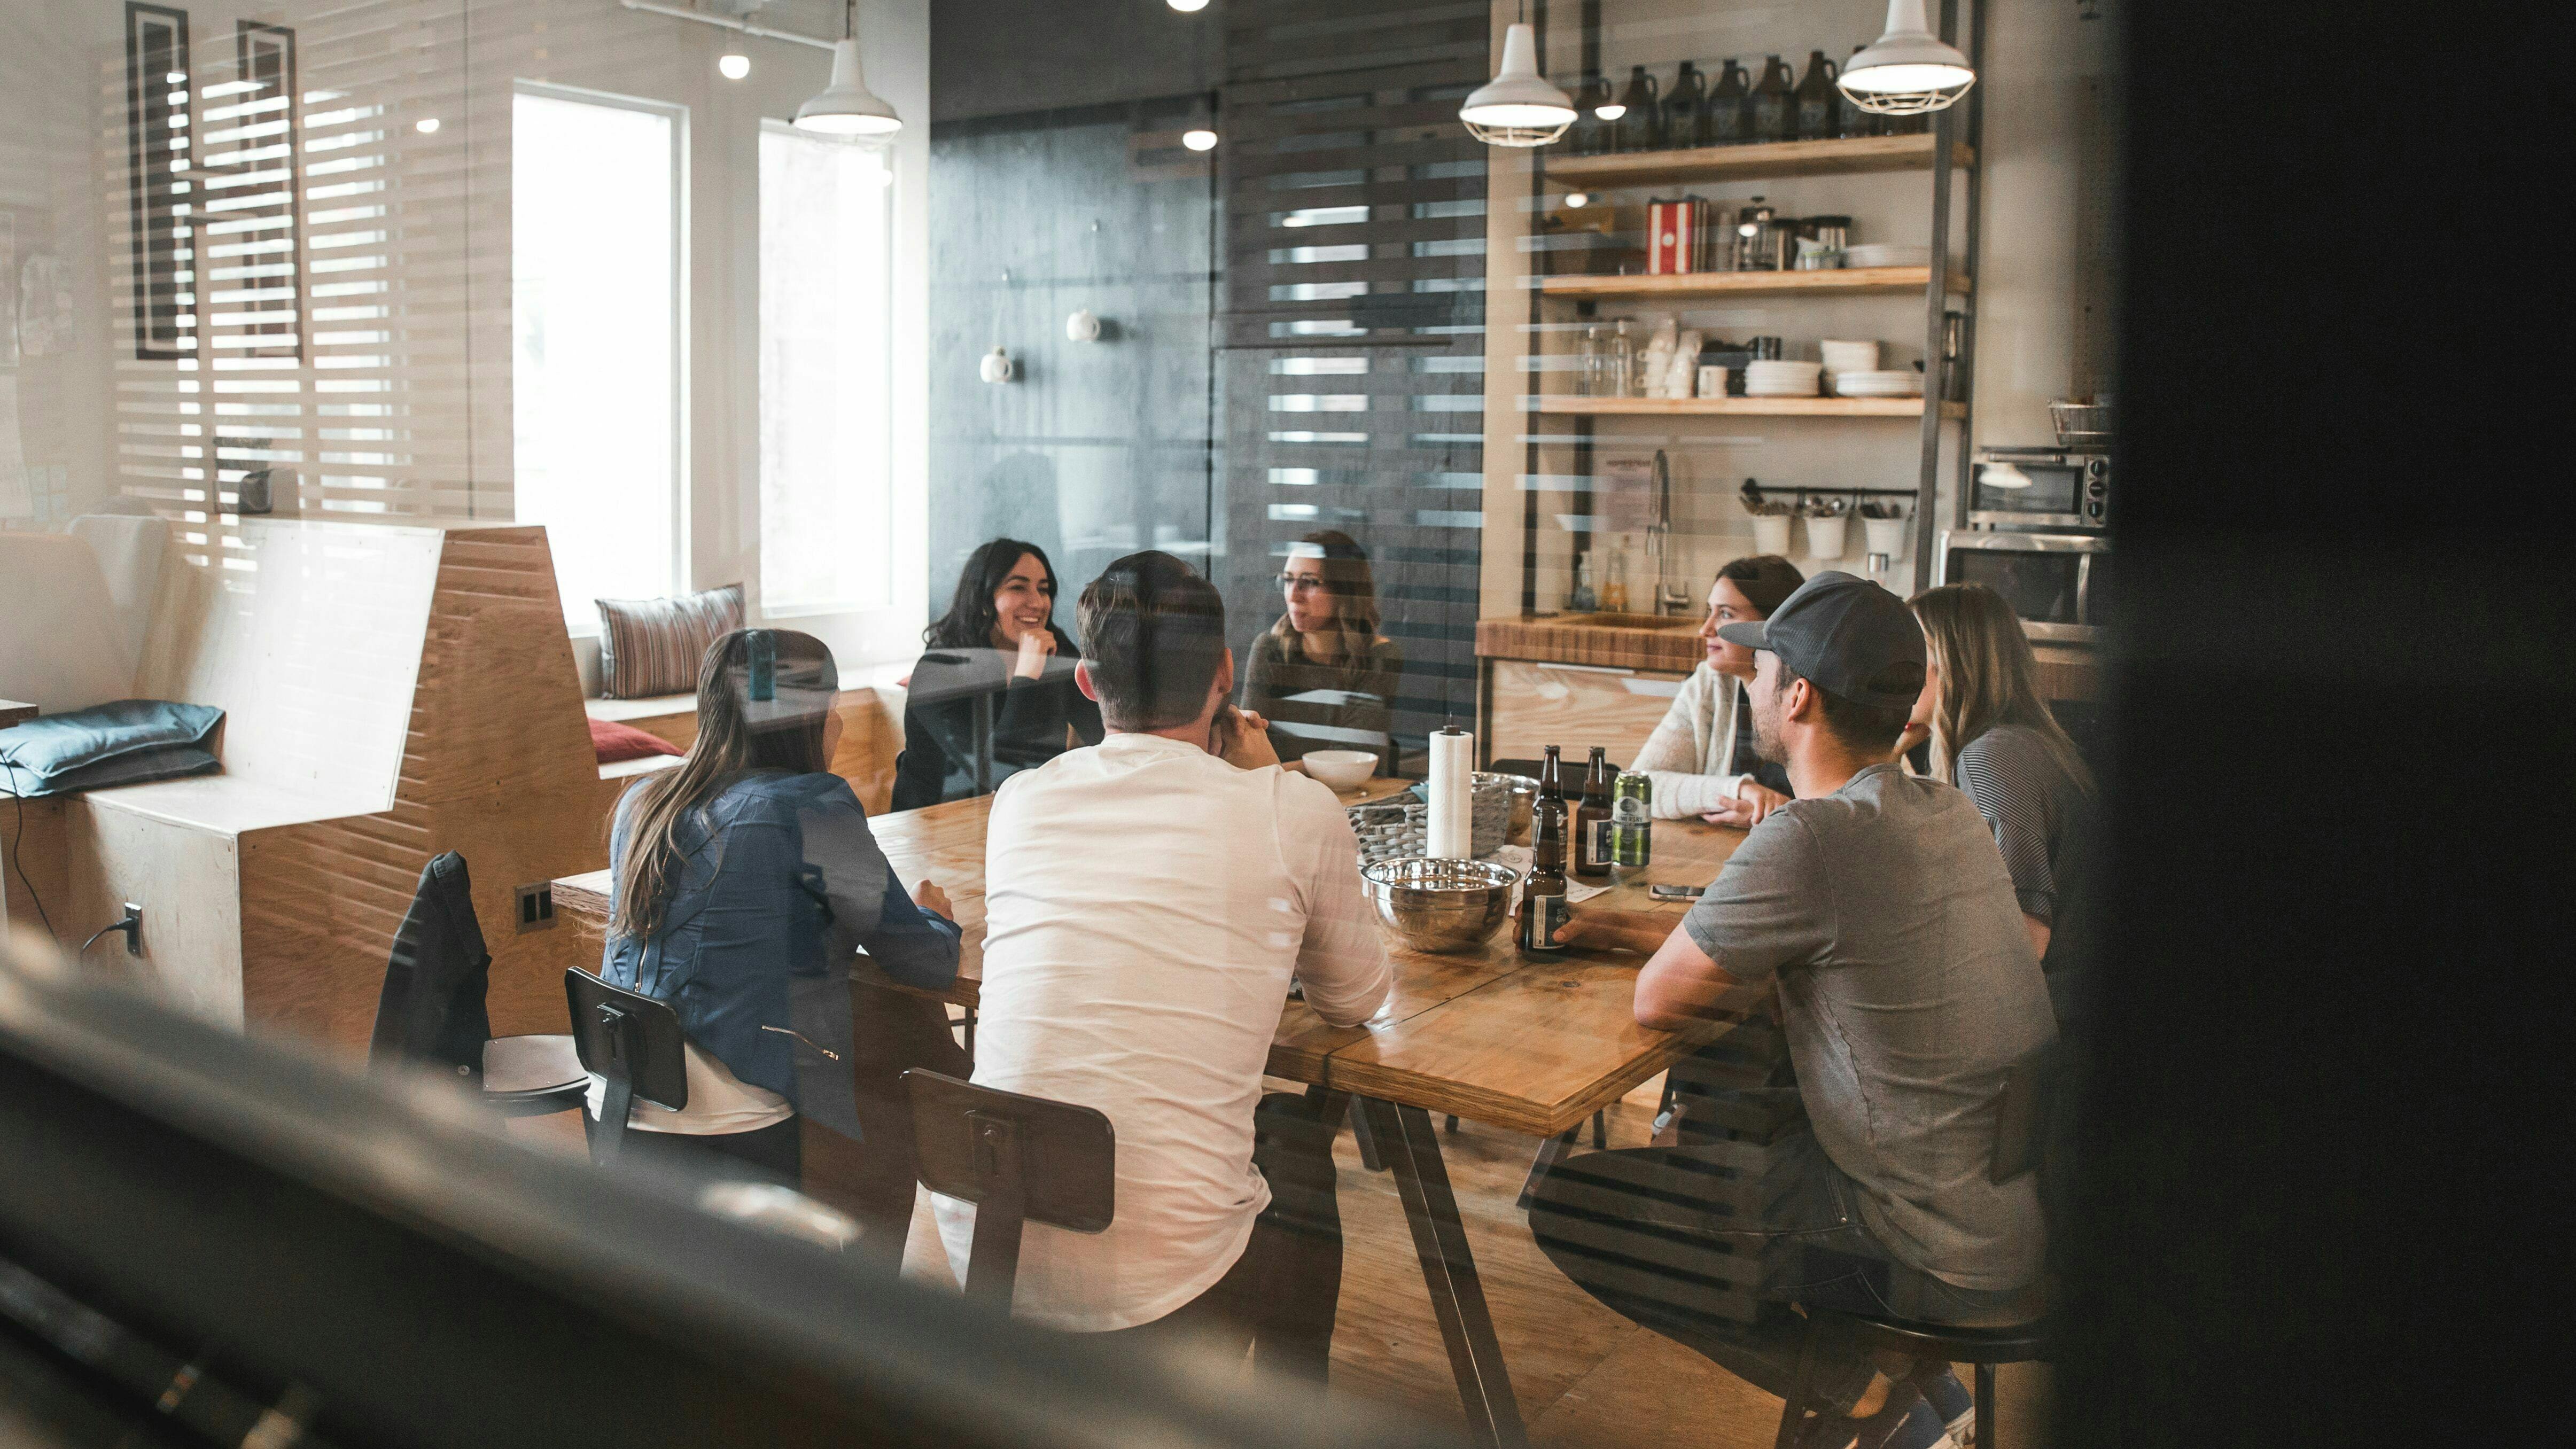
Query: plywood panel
[(1622, 641), (183, 879), (1531, 706), (31, 860), (309, 637)]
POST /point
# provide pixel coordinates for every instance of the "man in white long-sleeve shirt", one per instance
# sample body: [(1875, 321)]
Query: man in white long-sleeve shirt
[(1147, 901)]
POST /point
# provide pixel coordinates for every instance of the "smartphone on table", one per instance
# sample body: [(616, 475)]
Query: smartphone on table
[(1677, 892)]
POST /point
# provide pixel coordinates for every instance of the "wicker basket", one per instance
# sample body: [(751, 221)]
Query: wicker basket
[(1400, 826)]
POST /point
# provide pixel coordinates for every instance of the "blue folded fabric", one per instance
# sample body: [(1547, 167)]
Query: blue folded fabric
[(121, 743)]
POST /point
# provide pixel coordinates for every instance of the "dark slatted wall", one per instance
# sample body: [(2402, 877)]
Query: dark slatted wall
[(1353, 324)]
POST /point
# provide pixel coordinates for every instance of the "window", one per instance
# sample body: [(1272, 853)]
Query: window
[(826, 454), (595, 258)]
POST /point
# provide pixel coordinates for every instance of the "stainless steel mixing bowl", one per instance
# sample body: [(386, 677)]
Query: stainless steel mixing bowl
[(1440, 905)]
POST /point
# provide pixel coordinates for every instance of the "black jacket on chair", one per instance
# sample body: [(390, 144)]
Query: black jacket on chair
[(432, 1008)]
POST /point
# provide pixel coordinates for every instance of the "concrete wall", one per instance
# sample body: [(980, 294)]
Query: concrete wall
[(1099, 448)]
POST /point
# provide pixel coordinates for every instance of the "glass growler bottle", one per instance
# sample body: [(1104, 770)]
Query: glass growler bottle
[(1818, 101), (1849, 119), (1641, 126), (1683, 112), (1591, 133), (1774, 106), (1591, 838), (1543, 908), (1729, 117)]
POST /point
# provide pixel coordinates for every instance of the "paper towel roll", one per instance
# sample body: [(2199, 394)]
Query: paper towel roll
[(1451, 826)]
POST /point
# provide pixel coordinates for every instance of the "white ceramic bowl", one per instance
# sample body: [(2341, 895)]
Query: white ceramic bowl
[(1341, 769)]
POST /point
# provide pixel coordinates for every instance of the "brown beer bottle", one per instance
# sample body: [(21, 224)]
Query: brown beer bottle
[(1543, 907), (1591, 842), (1551, 780)]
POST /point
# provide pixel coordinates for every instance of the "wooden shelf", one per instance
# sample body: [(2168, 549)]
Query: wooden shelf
[(1742, 284), (1771, 407), (1769, 158)]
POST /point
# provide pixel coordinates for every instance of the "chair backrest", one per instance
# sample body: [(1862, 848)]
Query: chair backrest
[(626, 1036), (2028, 1114), (431, 1009), (1017, 1159)]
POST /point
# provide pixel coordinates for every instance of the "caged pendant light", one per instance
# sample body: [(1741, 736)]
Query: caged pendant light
[(1517, 107), (1908, 70), (847, 107)]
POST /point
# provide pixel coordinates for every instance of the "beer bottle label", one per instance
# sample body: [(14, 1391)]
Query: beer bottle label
[(1541, 916)]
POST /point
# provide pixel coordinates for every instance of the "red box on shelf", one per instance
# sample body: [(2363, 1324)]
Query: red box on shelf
[(1676, 237)]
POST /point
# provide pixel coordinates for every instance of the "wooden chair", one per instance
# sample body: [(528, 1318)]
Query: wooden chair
[(1018, 1159), (2030, 1123), (432, 1007), (633, 1042)]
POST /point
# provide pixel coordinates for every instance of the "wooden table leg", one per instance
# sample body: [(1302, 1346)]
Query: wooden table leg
[(1412, 1148)]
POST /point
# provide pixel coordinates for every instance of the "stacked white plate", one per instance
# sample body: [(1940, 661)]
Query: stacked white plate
[(1843, 356), (1896, 382), (1782, 379), (1887, 254)]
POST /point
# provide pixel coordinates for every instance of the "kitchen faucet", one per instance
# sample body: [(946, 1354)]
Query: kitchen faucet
[(1670, 596)]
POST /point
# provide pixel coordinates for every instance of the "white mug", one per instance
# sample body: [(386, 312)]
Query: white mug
[(1712, 381)]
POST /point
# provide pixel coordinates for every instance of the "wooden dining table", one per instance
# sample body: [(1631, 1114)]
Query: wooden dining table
[(1488, 1035)]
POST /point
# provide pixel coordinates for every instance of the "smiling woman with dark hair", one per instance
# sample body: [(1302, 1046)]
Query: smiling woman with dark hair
[(997, 644)]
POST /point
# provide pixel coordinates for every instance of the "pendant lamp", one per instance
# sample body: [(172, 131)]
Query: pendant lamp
[(1517, 107), (1908, 70), (847, 107)]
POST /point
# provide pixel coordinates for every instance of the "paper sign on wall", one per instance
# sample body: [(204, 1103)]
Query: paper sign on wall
[(1623, 493)]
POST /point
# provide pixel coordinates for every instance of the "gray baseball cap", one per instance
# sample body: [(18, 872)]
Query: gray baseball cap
[(1845, 635)]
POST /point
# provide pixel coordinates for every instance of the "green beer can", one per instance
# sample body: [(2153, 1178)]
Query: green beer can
[(1632, 825)]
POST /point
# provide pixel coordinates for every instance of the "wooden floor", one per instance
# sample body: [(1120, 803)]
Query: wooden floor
[(1585, 1376)]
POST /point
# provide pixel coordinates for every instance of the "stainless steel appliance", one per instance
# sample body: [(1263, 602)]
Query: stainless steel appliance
[(2063, 585), (2047, 488)]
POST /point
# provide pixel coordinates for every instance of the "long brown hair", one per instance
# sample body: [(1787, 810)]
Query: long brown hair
[(1988, 678), (1345, 568), (763, 697)]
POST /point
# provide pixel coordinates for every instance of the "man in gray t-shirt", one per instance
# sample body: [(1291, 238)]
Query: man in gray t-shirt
[(1878, 910), (1907, 991)]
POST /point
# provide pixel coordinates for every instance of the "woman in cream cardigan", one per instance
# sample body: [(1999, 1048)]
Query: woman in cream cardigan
[(1701, 756)]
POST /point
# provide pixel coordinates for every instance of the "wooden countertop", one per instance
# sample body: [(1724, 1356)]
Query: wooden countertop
[(1667, 645), (1528, 1046)]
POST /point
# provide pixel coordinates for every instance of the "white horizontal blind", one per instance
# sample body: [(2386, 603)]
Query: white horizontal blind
[(335, 299)]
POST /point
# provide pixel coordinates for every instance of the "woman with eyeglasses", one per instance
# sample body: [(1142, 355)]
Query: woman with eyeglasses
[(1323, 676), (997, 666)]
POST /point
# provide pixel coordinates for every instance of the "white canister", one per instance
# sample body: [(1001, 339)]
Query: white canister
[(1825, 536), (1885, 535), (1771, 533), (1712, 382)]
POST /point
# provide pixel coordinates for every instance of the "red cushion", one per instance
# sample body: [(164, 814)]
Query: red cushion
[(612, 742)]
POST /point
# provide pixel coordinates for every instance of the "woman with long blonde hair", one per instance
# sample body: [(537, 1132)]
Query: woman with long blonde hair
[(1993, 736)]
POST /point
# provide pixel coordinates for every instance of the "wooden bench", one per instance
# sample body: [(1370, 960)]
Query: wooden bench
[(391, 692), (870, 706)]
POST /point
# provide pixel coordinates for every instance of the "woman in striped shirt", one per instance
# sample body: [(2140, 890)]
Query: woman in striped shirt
[(1993, 736)]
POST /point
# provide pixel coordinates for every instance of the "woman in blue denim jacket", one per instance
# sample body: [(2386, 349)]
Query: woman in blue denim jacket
[(743, 883)]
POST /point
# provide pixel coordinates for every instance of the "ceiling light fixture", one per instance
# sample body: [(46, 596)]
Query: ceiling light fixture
[(1199, 131), (426, 125), (1578, 199), (1908, 70), (847, 107), (1518, 107), (1188, 7), (733, 65)]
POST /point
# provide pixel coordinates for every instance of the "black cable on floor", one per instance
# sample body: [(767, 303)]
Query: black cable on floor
[(17, 855)]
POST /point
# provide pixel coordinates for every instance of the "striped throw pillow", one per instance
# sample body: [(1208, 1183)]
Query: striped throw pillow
[(649, 647)]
